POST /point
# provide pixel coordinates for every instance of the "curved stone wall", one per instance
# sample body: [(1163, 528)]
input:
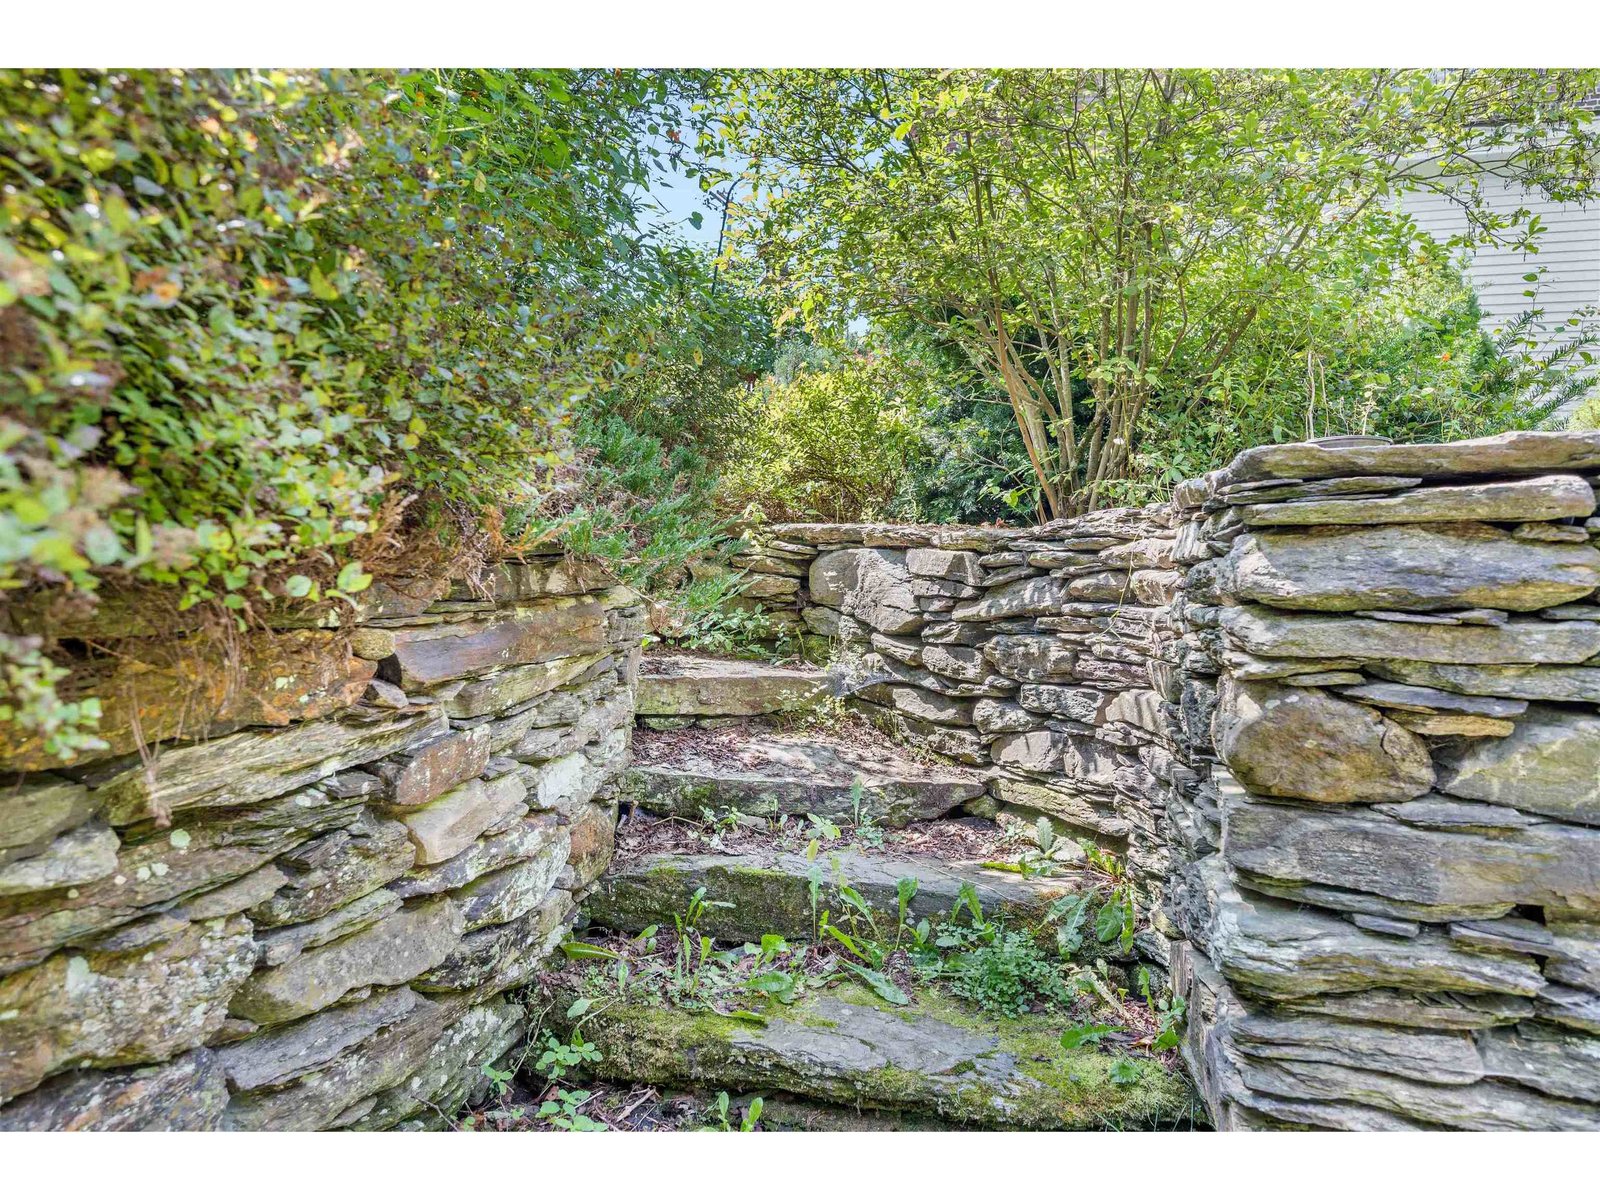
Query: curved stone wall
[(1337, 704), (309, 917)]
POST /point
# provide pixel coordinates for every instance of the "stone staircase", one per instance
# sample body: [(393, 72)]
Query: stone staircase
[(754, 812)]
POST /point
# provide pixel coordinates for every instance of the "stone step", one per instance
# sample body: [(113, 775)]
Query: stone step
[(759, 773), (844, 1046), (693, 686), (770, 891)]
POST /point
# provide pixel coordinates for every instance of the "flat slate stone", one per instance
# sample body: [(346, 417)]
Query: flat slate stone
[(1403, 698), (769, 774), (687, 685), (1306, 636), (1445, 876), (845, 1047), (1407, 567), (234, 771), (873, 586), (1282, 951), (1517, 453), (1547, 498), (769, 892), (1578, 685), (1549, 764), (1303, 743), (187, 1094)]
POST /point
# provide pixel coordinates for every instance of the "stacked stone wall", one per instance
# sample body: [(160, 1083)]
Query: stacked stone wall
[(300, 884), (1337, 704)]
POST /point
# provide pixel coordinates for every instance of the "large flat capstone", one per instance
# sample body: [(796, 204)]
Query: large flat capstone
[(1408, 567), (762, 774), (682, 685), (843, 1046), (769, 892)]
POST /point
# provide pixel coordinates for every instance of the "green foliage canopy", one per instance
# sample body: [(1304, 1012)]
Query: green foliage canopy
[(1097, 239)]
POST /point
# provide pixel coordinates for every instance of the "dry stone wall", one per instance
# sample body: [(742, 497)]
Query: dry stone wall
[(311, 917), (1337, 703)]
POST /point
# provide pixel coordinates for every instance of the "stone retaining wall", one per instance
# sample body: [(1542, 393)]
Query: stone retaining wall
[(1337, 702), (311, 917)]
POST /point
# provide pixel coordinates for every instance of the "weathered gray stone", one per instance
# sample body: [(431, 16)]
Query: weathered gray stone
[(372, 1065), (335, 869), (1030, 658), (155, 867), (1081, 760), (1432, 1056), (450, 1072), (1485, 1106), (135, 1002), (510, 892), (873, 586), (1280, 951), (999, 716), (683, 685), (278, 946), (916, 702), (770, 892), (1544, 1059), (427, 771), (1547, 498), (1549, 765), (902, 649), (1109, 586), (1446, 876), (275, 1056), (518, 685), (82, 855), (427, 655), (1425, 567), (498, 957), (187, 1094), (986, 685), (248, 767), (956, 662), (1299, 743), (36, 810), (1302, 635), (531, 836), (959, 565), (396, 949), (773, 774), (845, 1047), (1025, 598), (1090, 811), (1084, 704), (1404, 698), (1518, 453), (1450, 815), (448, 825), (1429, 1010), (1579, 685), (233, 897)]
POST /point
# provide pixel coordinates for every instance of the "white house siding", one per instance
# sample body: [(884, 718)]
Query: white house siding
[(1569, 254)]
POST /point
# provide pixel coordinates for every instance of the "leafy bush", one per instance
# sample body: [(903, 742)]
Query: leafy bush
[(253, 322), (629, 501), (829, 445)]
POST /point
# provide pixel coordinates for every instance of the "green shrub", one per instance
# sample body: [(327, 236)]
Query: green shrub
[(254, 322), (627, 501), (831, 444)]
